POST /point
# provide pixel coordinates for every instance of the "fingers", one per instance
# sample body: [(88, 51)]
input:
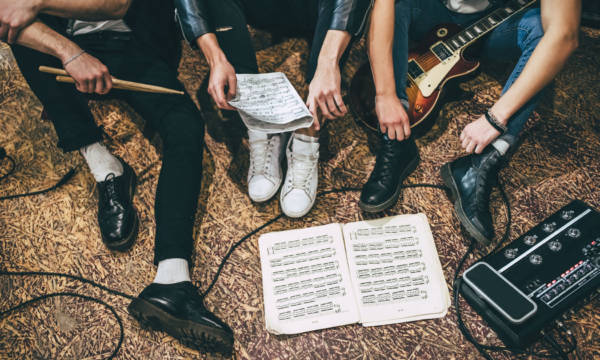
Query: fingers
[(217, 91), (470, 147), (108, 81), (3, 31), (324, 109), (479, 148), (232, 85), (13, 34), (333, 109), (340, 103), (312, 107)]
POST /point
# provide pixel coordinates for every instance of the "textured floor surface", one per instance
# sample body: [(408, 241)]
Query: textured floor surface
[(559, 160)]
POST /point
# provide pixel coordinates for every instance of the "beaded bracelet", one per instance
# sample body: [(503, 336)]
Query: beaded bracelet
[(495, 123)]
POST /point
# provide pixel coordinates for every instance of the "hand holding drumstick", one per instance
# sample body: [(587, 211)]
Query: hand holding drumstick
[(101, 83)]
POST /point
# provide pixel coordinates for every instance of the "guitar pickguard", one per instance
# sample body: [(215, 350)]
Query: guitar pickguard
[(430, 80)]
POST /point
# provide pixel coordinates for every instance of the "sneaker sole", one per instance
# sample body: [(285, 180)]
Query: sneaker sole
[(295, 215), (128, 241), (460, 213), (196, 336), (394, 198)]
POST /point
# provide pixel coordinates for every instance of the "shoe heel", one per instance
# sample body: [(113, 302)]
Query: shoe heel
[(449, 181)]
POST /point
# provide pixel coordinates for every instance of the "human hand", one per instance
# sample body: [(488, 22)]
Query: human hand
[(477, 135), (90, 75), (325, 94), (16, 15), (392, 116), (222, 84)]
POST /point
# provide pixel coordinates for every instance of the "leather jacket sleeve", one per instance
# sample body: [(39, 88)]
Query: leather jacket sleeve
[(350, 15), (193, 18)]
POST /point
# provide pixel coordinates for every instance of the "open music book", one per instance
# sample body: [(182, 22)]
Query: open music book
[(373, 272)]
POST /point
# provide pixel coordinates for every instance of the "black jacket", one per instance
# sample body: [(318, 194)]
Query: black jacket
[(153, 23), (348, 15)]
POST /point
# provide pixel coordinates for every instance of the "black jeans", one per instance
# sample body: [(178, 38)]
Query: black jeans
[(309, 18), (176, 119)]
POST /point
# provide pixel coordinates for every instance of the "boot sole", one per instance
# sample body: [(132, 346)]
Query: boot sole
[(128, 241), (394, 198), (196, 336), (460, 213)]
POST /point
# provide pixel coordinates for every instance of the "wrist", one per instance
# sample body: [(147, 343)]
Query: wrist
[(67, 51), (500, 114)]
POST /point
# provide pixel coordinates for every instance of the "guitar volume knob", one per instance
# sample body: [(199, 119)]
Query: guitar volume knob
[(574, 233), (549, 227), (530, 239), (535, 259)]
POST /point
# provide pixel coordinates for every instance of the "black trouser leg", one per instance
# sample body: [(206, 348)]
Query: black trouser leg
[(181, 128), (67, 108)]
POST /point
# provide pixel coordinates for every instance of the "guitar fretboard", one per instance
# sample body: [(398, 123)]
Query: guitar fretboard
[(487, 24)]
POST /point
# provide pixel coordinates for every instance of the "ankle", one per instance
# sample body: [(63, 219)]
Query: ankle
[(101, 162), (171, 271)]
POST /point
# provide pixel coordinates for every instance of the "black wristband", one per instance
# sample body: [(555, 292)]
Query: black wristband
[(495, 123)]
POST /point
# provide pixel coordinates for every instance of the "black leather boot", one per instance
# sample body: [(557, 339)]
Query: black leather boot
[(470, 180), (117, 218), (178, 310), (395, 161)]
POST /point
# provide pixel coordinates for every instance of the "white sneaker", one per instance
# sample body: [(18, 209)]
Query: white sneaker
[(264, 173), (300, 186)]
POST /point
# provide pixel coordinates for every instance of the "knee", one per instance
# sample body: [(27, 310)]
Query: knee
[(184, 134), (531, 28)]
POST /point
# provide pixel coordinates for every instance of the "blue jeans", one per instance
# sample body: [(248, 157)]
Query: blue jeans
[(514, 39)]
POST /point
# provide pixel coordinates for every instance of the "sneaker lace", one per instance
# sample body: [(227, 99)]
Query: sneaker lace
[(301, 169), (260, 156)]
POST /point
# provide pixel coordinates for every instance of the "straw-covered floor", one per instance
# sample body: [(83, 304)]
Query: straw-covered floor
[(559, 160)]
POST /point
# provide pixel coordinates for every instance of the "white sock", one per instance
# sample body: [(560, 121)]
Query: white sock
[(501, 145), (101, 162), (305, 144), (171, 271)]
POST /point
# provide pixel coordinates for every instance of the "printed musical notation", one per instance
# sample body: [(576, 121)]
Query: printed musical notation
[(373, 272), (269, 103), (308, 281)]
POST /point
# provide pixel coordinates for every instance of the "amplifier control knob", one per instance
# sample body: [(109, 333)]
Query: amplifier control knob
[(567, 214), (535, 259), (574, 233), (555, 245), (530, 239), (511, 253), (549, 227)]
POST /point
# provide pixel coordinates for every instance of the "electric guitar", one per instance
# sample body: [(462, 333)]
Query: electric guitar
[(438, 59)]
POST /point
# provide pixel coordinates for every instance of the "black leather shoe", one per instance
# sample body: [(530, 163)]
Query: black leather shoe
[(470, 180), (395, 161), (117, 217), (178, 310)]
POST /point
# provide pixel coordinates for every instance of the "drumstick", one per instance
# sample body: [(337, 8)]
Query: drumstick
[(117, 83)]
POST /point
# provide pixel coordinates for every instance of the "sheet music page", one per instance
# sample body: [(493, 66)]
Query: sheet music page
[(395, 270), (269, 103), (306, 283)]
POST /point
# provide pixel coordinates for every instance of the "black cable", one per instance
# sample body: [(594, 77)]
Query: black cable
[(60, 183), (480, 347), (74, 295)]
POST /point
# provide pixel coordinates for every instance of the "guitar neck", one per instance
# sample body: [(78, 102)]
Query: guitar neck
[(476, 31)]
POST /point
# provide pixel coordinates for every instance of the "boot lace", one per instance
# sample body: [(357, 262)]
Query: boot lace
[(384, 162)]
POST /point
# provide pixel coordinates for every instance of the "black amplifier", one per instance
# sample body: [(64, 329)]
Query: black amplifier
[(553, 267)]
